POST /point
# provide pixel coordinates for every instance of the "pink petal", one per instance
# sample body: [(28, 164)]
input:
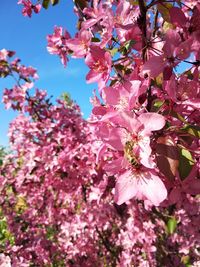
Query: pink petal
[(125, 188), (154, 66), (175, 195), (177, 17), (170, 87), (152, 121), (195, 103), (114, 167), (145, 153), (89, 23), (152, 188), (111, 95), (101, 152), (128, 122), (194, 187), (115, 137), (93, 76)]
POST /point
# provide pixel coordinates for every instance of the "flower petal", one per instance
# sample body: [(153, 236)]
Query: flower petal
[(151, 121), (154, 66), (125, 188), (152, 188)]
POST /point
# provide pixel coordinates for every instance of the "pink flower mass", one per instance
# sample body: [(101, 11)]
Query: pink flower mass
[(121, 188), (129, 137)]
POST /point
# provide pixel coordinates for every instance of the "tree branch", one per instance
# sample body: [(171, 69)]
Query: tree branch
[(142, 25)]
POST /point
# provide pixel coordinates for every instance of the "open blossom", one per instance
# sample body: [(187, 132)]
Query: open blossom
[(5, 261), (29, 7), (96, 14), (80, 44), (15, 97), (3, 54), (142, 184), (174, 50), (99, 62), (134, 164), (27, 72), (57, 43), (121, 98)]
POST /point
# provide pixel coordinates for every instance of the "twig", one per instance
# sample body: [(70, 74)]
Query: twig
[(155, 24), (142, 25)]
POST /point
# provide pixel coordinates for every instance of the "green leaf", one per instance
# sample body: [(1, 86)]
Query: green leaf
[(158, 103), (185, 260), (54, 2), (134, 2), (178, 116), (171, 225), (119, 67), (46, 3), (167, 156), (185, 153), (159, 80), (51, 231), (164, 9), (21, 204), (113, 51), (193, 130), (167, 26), (3, 74), (3, 63), (95, 40), (185, 163), (128, 45)]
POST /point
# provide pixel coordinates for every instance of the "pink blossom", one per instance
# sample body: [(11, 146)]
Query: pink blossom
[(173, 51), (191, 185), (99, 62), (58, 181), (57, 43), (5, 261), (28, 7), (95, 14), (131, 138), (125, 19), (120, 98), (80, 44), (140, 184), (3, 54), (15, 97), (27, 72)]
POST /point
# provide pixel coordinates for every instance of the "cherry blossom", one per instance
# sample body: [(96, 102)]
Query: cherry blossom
[(57, 43), (121, 188), (29, 7), (80, 44), (99, 63)]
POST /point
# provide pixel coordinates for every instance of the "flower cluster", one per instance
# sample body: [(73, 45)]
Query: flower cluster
[(121, 189), (16, 96)]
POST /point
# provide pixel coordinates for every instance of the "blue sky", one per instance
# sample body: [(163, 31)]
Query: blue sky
[(28, 38)]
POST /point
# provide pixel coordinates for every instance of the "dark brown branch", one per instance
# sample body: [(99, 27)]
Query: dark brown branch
[(142, 23), (155, 27)]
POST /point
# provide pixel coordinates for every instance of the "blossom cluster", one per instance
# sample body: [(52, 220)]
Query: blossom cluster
[(145, 107), (24, 76), (122, 188)]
